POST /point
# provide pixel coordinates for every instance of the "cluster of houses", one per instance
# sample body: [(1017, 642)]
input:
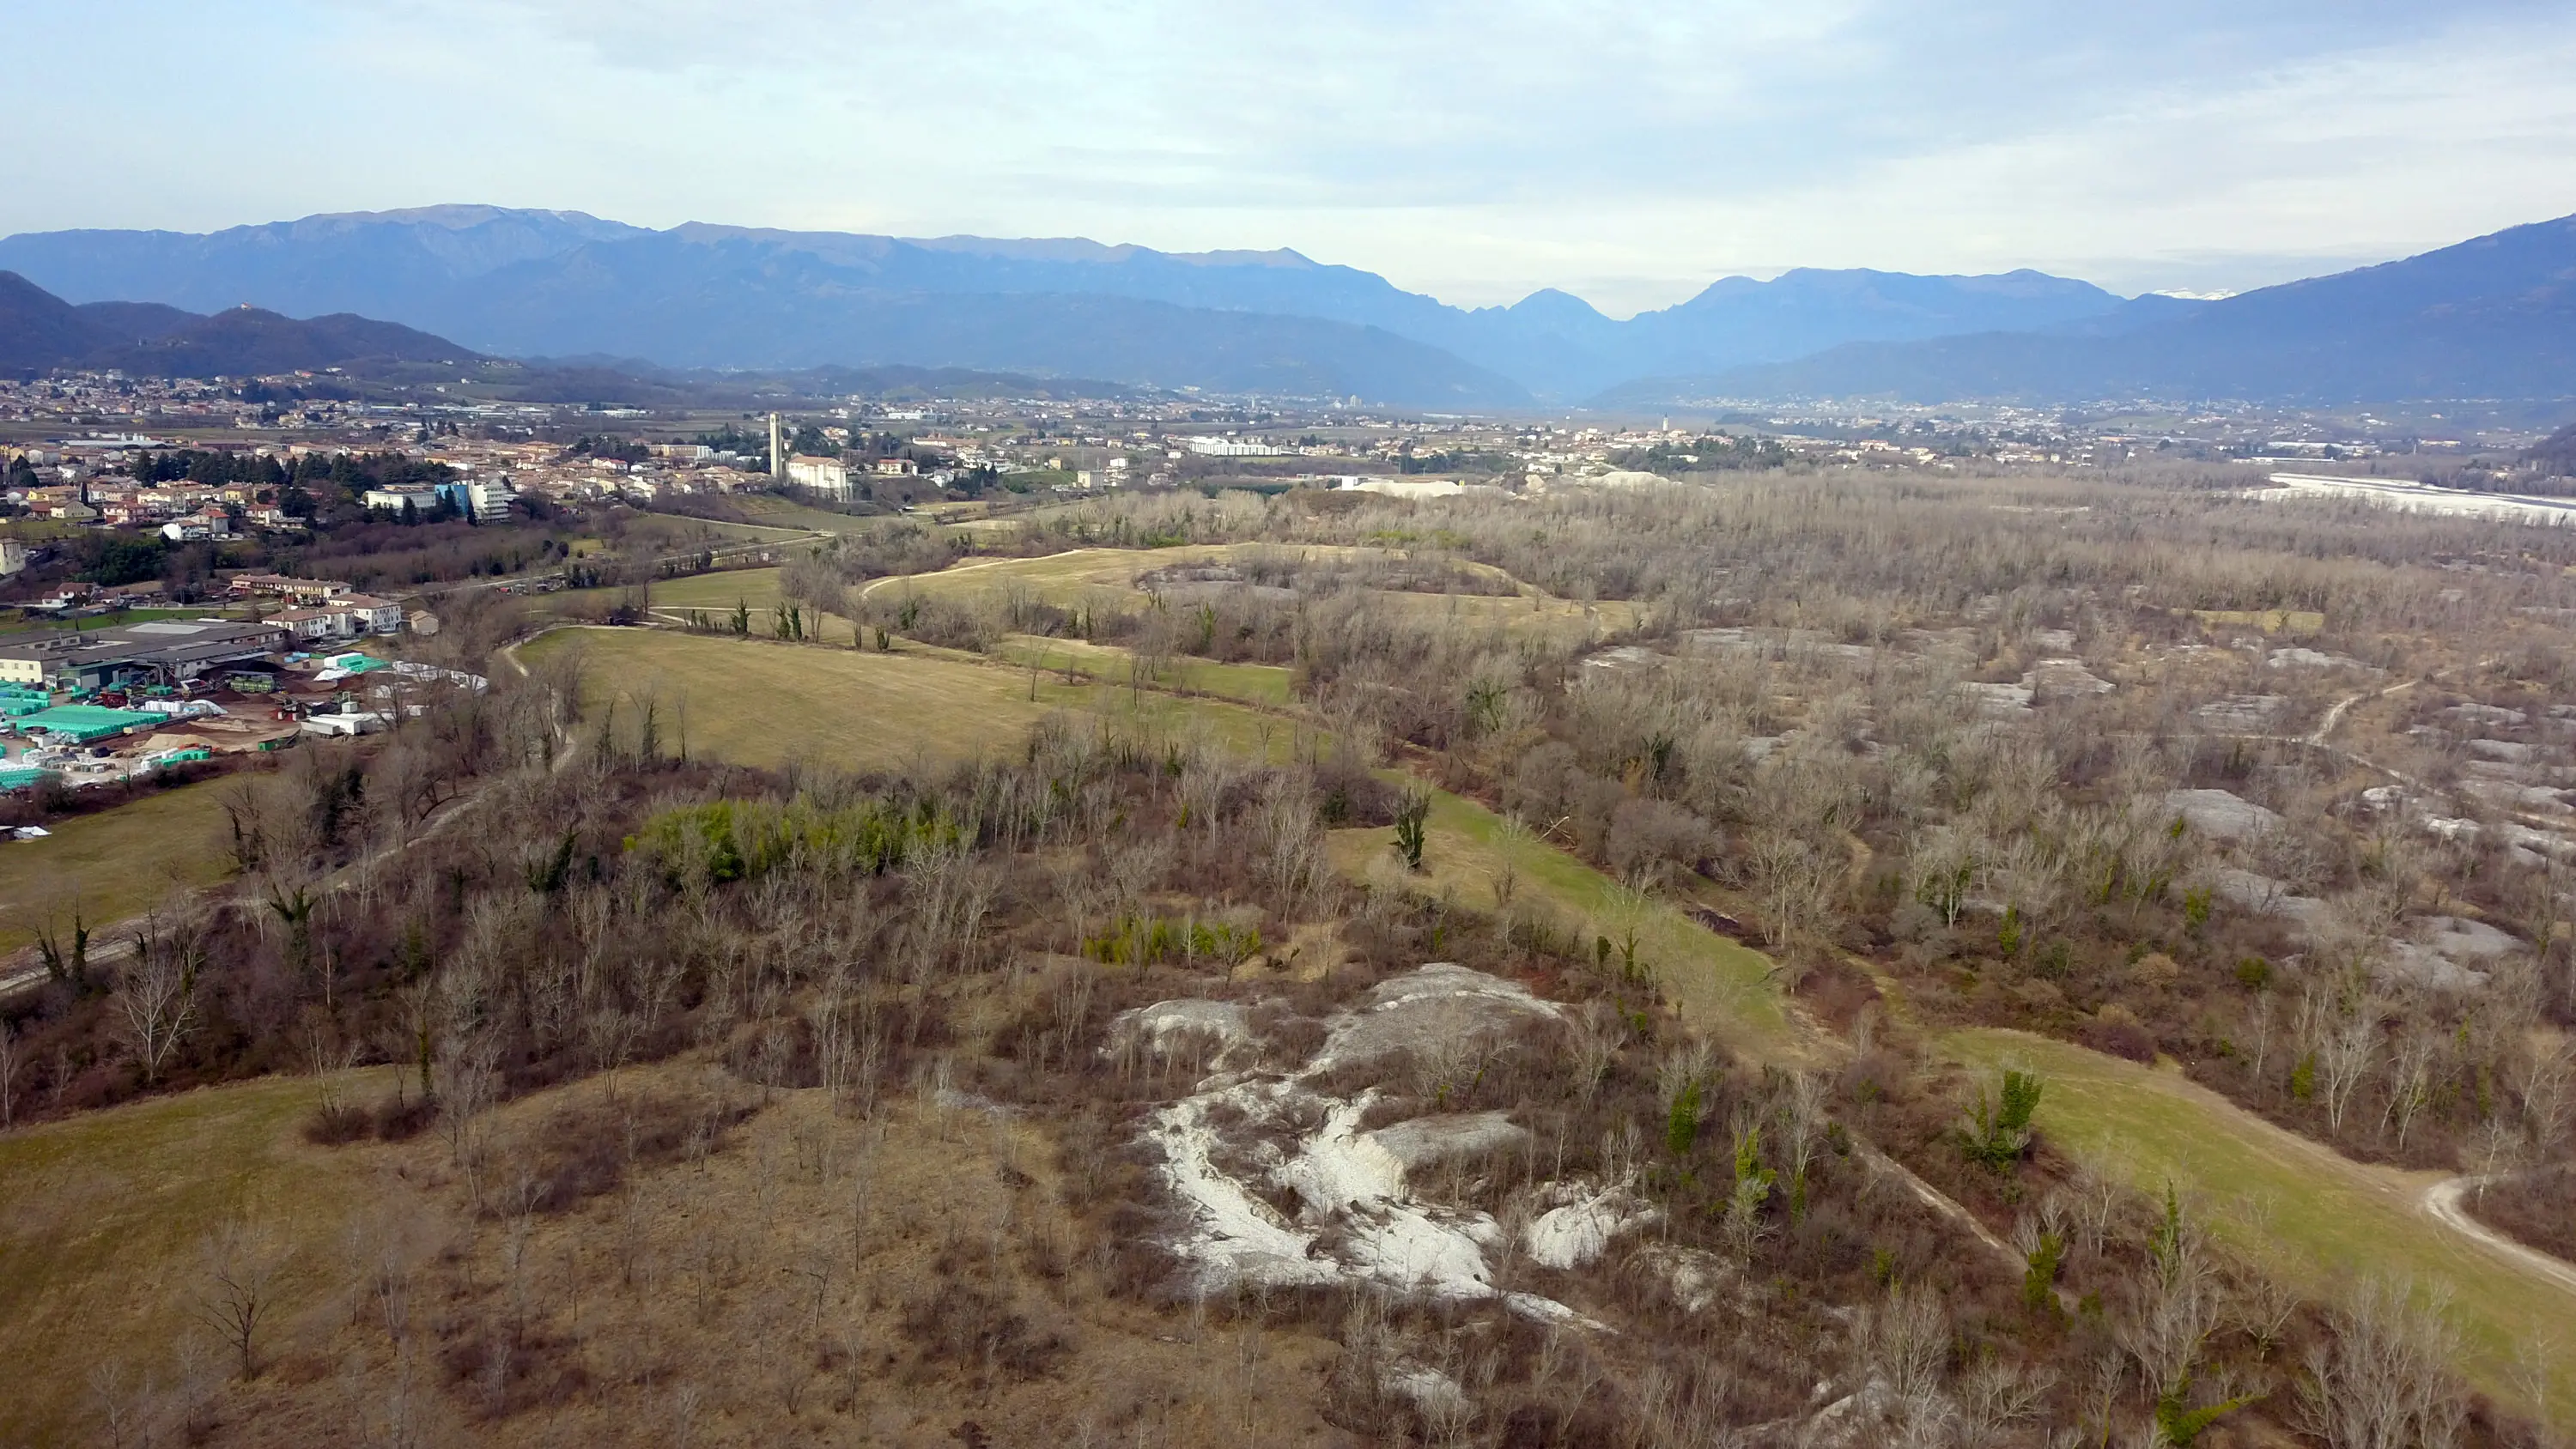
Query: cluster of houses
[(321, 611), (181, 512)]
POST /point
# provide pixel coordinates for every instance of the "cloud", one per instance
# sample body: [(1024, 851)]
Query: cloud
[(1629, 152)]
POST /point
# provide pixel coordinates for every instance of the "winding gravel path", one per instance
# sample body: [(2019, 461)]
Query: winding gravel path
[(2442, 1205)]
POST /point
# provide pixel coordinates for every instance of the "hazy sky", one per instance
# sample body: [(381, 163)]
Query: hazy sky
[(1629, 153)]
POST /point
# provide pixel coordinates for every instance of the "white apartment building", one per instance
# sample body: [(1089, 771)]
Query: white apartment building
[(823, 475)]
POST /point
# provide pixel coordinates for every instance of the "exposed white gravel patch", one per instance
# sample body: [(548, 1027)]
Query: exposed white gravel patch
[(1426, 1140), (1354, 1218), (2221, 815), (1579, 1227), (1160, 1026), (1434, 1006)]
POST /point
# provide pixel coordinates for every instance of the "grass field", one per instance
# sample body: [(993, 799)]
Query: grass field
[(757, 702), (102, 1223), (1062, 579), (2323, 1220), (117, 863), (1719, 986), (1262, 684), (715, 594), (1107, 576), (770, 512)]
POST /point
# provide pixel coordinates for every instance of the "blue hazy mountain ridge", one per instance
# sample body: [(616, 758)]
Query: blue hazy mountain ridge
[(2492, 317), (392, 264), (719, 297), (468, 272), (2489, 317), (39, 330)]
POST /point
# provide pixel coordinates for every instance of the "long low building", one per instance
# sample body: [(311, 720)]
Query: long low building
[(159, 651)]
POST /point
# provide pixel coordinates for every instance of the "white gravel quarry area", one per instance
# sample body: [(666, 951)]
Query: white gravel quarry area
[(1580, 1221), (1163, 1027), (2221, 815), (1430, 1007), (2447, 953), (1280, 1185), (1426, 1140)]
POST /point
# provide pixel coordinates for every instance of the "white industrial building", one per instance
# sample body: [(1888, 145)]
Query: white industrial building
[(1207, 447), (823, 475)]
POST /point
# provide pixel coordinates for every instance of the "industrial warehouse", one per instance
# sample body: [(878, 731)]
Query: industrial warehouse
[(157, 652)]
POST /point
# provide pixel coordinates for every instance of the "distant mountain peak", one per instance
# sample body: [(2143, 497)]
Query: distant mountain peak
[(458, 215)]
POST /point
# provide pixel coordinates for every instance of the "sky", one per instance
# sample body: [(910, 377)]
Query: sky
[(1628, 153)]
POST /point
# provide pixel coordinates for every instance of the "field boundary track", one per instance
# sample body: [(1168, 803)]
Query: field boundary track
[(2324, 1220)]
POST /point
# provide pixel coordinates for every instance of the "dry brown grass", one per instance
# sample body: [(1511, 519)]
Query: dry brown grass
[(103, 1225), (797, 1275)]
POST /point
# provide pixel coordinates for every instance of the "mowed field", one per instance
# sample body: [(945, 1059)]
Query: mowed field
[(714, 595), (1107, 577), (783, 513), (114, 864), (758, 702), (2326, 1222), (1262, 684), (103, 1226)]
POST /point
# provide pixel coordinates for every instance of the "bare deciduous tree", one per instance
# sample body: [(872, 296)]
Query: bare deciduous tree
[(2379, 1379), (9, 1063), (158, 1001), (236, 1290)]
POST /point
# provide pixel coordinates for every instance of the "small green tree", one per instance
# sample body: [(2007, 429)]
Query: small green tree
[(68, 966), (1998, 1131), (2181, 1425), (1681, 1125), (2039, 1279), (1411, 815)]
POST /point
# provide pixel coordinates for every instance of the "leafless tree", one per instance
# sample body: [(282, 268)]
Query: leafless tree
[(1598, 1035), (1998, 1396), (118, 1399), (236, 1291), (1794, 880), (466, 1079), (2344, 1053), (2548, 1097), (2410, 1081), (10, 1060), (158, 1002), (2380, 1379)]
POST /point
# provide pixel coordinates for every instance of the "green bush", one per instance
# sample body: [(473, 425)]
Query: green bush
[(729, 840)]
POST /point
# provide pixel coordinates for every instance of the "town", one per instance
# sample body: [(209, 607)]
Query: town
[(988, 888)]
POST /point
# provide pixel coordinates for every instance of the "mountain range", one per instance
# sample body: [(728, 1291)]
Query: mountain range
[(39, 330), (2486, 318), (2493, 317)]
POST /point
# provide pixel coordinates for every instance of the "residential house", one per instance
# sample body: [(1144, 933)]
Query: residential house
[(297, 591), (316, 626), (371, 615)]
